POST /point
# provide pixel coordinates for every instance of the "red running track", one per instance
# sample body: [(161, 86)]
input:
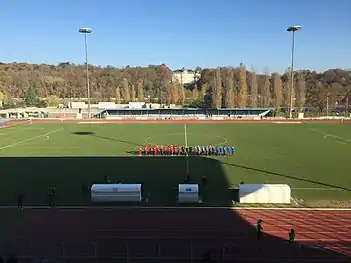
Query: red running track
[(183, 235)]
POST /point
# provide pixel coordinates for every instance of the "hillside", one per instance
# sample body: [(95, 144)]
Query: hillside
[(230, 87)]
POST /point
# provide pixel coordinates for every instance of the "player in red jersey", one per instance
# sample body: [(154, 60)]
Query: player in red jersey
[(155, 150), (179, 149), (140, 151), (171, 150), (146, 150), (175, 149)]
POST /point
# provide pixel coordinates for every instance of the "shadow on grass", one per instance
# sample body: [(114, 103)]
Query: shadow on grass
[(173, 235), (287, 176), (83, 133), (160, 176)]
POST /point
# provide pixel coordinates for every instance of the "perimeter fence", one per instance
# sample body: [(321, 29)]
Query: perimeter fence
[(130, 250)]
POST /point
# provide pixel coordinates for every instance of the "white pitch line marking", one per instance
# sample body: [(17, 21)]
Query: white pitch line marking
[(30, 139)]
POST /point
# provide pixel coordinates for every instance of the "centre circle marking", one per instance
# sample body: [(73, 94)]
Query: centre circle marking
[(224, 140)]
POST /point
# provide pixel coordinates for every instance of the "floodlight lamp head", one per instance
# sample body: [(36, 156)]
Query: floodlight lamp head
[(85, 30), (293, 28)]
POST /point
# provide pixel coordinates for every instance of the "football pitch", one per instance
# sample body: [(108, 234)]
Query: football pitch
[(312, 158)]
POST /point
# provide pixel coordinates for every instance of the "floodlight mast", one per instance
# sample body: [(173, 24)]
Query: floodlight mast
[(87, 31), (292, 29)]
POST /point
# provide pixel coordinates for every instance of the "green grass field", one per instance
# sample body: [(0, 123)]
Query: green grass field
[(312, 158)]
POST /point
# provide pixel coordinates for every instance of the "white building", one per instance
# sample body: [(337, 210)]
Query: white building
[(185, 76)]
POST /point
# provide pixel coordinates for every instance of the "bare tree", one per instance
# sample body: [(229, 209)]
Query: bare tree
[(195, 94), (266, 91), (278, 91), (175, 94), (254, 89), (301, 86), (181, 94)]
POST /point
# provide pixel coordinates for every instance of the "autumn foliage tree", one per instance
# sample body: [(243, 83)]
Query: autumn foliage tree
[(133, 93), (140, 91), (217, 89), (68, 81), (118, 95), (242, 100), (229, 91), (125, 90)]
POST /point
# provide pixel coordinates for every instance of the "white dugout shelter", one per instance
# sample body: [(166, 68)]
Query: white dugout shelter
[(264, 194), (188, 193), (116, 193)]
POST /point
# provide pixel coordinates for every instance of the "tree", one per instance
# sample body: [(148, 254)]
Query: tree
[(318, 95), (301, 86), (242, 100), (278, 91), (125, 90), (217, 89), (266, 91), (195, 94), (53, 101), (68, 80), (118, 95), (174, 93), (229, 96), (31, 98), (204, 90), (181, 94), (140, 91), (133, 95), (254, 90)]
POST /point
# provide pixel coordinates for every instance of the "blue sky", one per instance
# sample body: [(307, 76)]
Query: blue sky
[(189, 33)]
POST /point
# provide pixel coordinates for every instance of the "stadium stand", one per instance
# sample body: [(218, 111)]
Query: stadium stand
[(124, 113)]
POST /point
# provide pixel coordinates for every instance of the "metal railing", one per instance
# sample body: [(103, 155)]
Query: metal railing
[(138, 250)]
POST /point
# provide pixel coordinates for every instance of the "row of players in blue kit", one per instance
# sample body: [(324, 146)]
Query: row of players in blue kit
[(184, 150)]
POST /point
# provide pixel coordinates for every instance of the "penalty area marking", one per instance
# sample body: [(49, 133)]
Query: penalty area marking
[(337, 139), (31, 139), (148, 139)]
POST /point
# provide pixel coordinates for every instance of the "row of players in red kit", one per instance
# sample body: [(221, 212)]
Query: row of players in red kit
[(162, 150), (218, 150)]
